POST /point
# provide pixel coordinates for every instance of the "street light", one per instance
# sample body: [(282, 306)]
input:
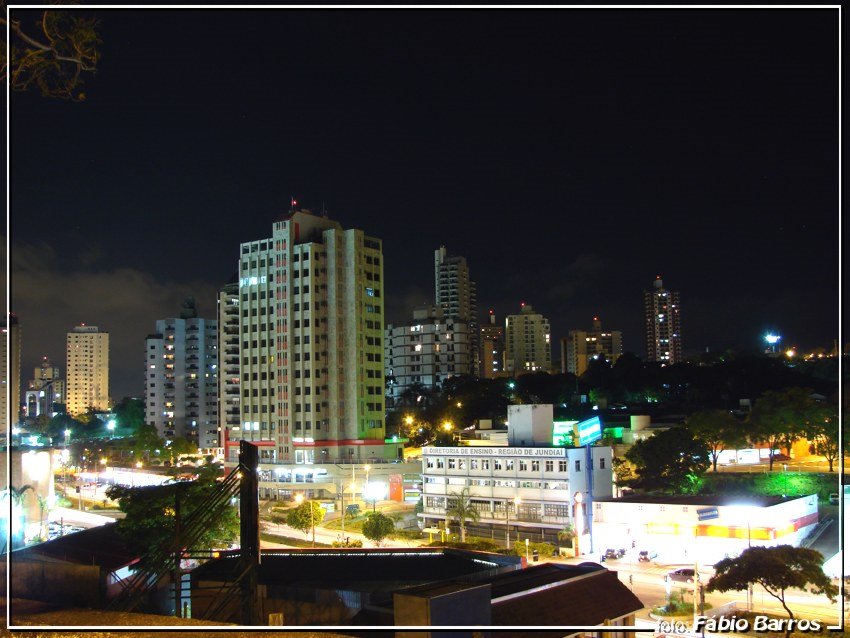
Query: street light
[(517, 501), (772, 340)]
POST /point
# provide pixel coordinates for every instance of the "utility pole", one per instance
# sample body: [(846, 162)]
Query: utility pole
[(177, 577)]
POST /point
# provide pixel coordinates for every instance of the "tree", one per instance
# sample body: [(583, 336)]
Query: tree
[(669, 461), (781, 417), (16, 510), (776, 569), (568, 534), (130, 414), (624, 471), (51, 53), (460, 508), (151, 522), (180, 446), (377, 527), (305, 517), (147, 441), (824, 436), (718, 429)]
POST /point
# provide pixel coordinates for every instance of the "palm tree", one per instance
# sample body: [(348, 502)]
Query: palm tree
[(460, 507), (15, 527)]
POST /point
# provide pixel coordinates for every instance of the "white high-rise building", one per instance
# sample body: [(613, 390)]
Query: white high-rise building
[(528, 346), (181, 390), (455, 295), (426, 351), (229, 402), (311, 341), (662, 316), (87, 369)]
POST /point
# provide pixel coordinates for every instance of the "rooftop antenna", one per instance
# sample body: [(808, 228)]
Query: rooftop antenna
[(324, 211), (292, 203)]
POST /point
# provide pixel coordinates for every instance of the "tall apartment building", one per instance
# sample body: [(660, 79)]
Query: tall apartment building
[(426, 351), (229, 402), (456, 296), (10, 378), (582, 346), (44, 390), (181, 389), (311, 335), (663, 324), (87, 369), (528, 346), (492, 348)]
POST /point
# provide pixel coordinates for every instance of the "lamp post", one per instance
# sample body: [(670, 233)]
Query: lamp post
[(784, 479), (579, 521), (527, 558), (517, 501), (749, 585)]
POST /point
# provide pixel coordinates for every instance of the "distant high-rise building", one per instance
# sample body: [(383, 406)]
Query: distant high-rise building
[(528, 346), (581, 347), (87, 369), (181, 389), (455, 295), (44, 390), (229, 402), (425, 351), (11, 384), (492, 348), (311, 336), (663, 324)]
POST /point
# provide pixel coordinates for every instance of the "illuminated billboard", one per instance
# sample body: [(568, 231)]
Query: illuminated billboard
[(589, 431)]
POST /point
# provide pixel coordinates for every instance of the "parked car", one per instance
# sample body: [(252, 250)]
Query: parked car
[(614, 553), (684, 575), (781, 457), (646, 555), (833, 498)]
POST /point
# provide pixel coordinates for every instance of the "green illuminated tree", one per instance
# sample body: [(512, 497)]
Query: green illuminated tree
[(776, 569), (305, 517), (719, 430), (824, 436), (151, 514), (779, 418), (51, 51), (377, 527), (669, 461), (461, 509)]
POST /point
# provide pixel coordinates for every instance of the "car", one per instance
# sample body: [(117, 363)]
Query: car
[(833, 498), (781, 457), (646, 555), (614, 553), (684, 575)]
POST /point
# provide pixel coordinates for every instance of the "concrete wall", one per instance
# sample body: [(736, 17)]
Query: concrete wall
[(76, 585), (530, 424)]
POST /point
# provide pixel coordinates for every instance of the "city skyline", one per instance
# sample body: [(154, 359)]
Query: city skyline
[(569, 163)]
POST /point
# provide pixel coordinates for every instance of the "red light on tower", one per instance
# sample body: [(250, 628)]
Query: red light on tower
[(522, 304)]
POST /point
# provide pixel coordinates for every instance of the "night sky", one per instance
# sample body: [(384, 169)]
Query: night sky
[(570, 155)]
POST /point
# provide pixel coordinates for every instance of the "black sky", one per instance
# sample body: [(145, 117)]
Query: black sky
[(569, 155)]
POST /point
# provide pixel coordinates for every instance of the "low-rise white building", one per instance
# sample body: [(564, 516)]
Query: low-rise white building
[(702, 528), (546, 480)]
